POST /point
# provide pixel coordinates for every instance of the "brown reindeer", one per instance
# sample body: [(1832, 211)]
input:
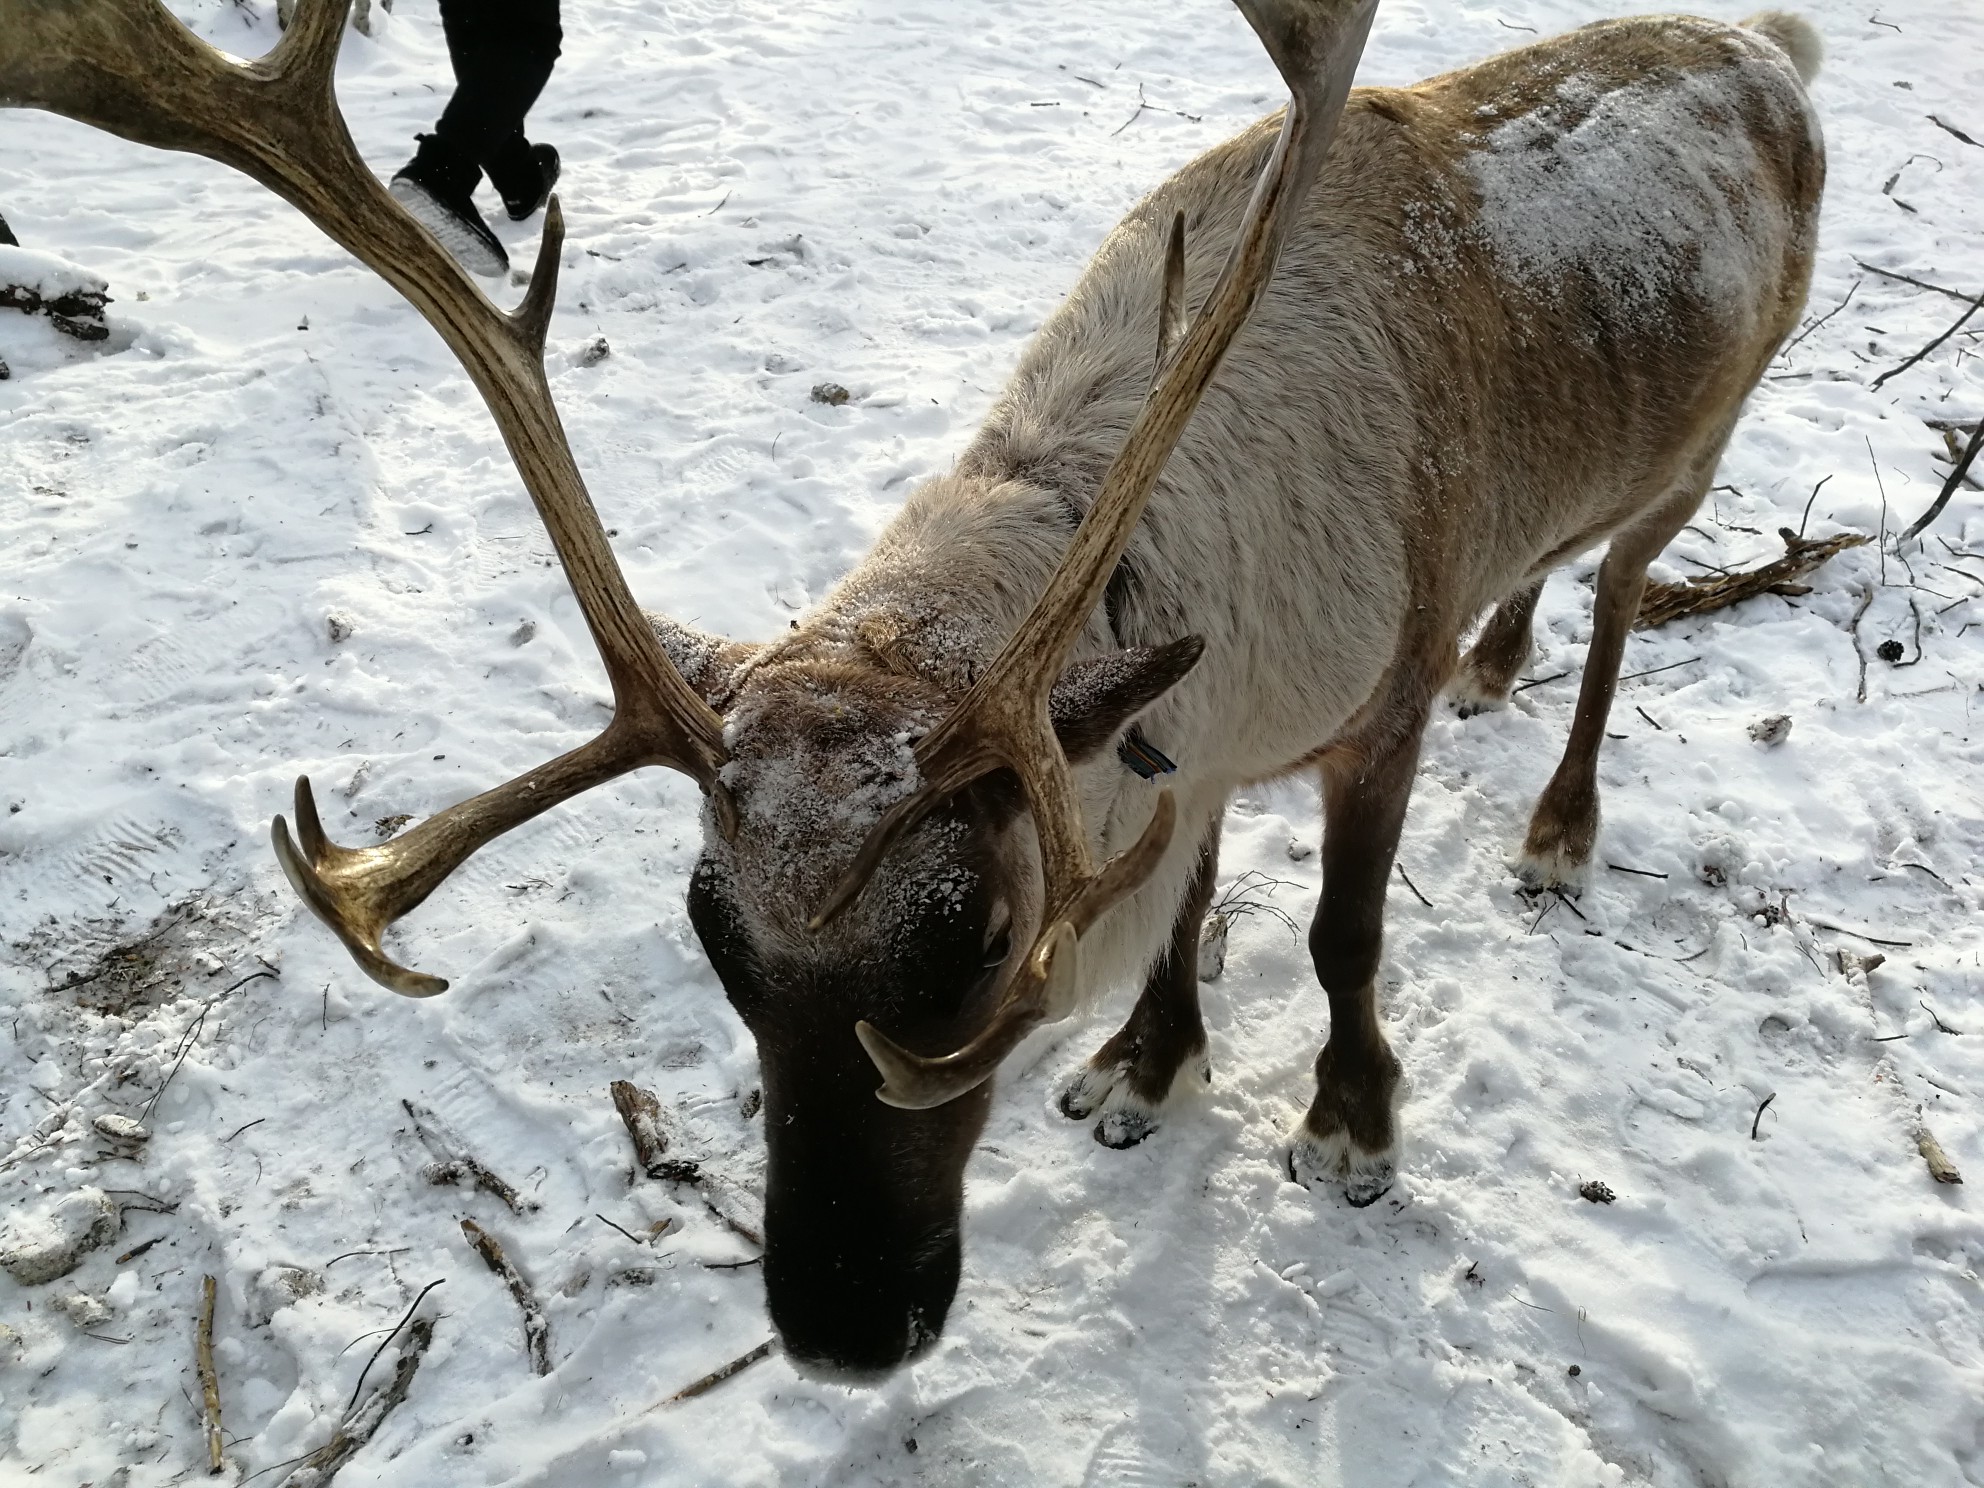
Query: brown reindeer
[(1332, 392)]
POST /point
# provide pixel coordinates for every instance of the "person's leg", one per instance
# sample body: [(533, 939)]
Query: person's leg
[(503, 52)]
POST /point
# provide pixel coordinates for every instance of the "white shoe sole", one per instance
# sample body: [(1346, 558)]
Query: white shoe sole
[(469, 250)]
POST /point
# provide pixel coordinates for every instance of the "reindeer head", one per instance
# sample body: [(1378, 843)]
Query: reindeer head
[(956, 814), (863, 1199)]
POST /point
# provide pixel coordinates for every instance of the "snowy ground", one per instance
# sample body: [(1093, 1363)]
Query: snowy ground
[(267, 528)]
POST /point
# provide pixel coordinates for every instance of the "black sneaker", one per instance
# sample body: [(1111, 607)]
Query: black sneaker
[(437, 188), (523, 175)]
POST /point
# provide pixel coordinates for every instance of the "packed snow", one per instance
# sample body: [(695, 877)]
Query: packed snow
[(266, 528)]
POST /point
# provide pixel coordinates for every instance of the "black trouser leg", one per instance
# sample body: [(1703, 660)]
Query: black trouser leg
[(502, 51)]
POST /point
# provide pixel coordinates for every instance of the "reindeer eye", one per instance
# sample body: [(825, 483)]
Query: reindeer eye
[(999, 949)]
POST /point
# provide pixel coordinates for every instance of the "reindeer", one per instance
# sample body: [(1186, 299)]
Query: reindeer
[(1338, 388)]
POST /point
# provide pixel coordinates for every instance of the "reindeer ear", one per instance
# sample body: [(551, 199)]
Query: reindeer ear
[(1095, 699), (708, 663)]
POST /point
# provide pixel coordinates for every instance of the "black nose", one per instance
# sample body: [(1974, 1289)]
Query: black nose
[(855, 1307)]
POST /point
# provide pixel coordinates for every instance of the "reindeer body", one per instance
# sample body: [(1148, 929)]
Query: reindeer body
[(1516, 317), (1454, 383)]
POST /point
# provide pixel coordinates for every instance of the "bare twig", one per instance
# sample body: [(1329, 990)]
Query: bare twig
[(717, 1376), (1664, 602), (1949, 128), (1975, 303), (1807, 512), (453, 1162), (1146, 107), (628, 1233), (537, 1332), (1851, 291), (358, 1426), (203, 1356), (1641, 872), (191, 1036), (1756, 1120), (1853, 630), (1538, 682), (1937, 1018), (392, 1333), (1858, 934), (1413, 886), (1655, 671), (1956, 477), (1955, 294)]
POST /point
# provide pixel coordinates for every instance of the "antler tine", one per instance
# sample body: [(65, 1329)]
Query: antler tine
[(130, 67), (1003, 720)]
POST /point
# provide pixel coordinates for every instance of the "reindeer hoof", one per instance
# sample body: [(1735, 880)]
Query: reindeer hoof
[(1125, 1127), (1314, 1162), (1083, 1096), (1469, 696), (1552, 868)]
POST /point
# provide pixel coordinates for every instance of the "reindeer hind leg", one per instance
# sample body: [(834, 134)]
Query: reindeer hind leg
[(1564, 826), (1485, 674)]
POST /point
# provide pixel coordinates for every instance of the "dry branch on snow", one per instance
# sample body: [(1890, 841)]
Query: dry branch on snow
[(647, 1126), (361, 1422), (453, 1162), (203, 1355), (1664, 602), (537, 1331)]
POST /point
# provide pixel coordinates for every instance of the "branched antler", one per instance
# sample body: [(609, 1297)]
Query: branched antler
[(129, 67)]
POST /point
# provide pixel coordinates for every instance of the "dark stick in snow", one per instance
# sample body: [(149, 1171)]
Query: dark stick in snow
[(453, 1162), (360, 1424), (1956, 477), (1757, 1120), (1955, 294), (537, 1332), (1895, 371), (1866, 599)]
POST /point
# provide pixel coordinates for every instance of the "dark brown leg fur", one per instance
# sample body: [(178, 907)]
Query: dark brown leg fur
[(1350, 1133), (1489, 669), (1129, 1077)]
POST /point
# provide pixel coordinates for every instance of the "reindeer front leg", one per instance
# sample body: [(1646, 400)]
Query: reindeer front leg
[(1351, 1131), (1130, 1077)]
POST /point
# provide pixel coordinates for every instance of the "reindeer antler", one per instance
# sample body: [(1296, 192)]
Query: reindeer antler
[(1003, 721), (129, 67)]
